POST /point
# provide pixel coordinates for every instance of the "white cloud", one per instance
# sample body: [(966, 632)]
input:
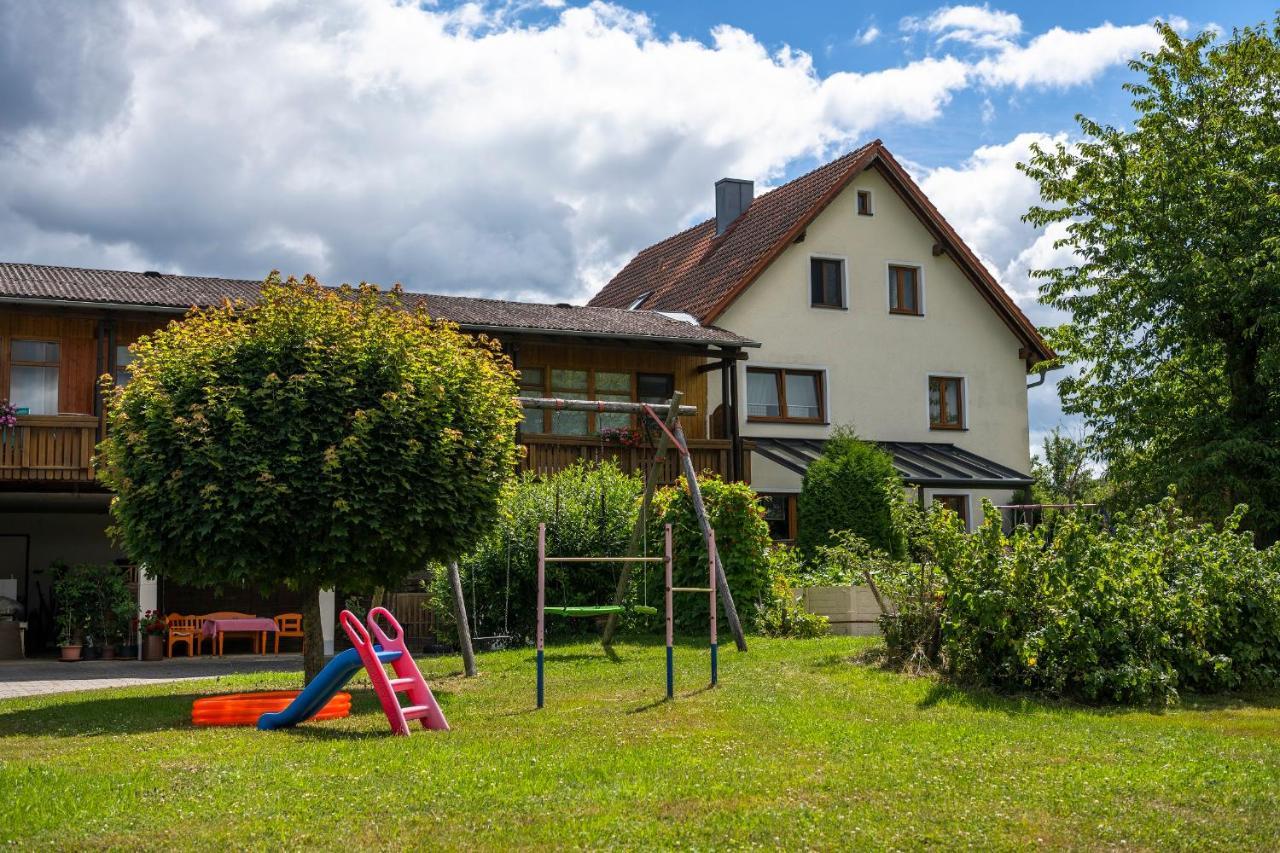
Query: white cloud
[(1065, 58), (867, 35), (980, 26), (455, 150)]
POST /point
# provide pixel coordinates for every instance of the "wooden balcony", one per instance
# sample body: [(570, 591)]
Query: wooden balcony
[(546, 454), (49, 449)]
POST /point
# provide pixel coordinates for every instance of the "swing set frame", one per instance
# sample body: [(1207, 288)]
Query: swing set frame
[(669, 601), (671, 436)]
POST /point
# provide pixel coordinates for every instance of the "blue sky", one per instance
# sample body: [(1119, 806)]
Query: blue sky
[(524, 148)]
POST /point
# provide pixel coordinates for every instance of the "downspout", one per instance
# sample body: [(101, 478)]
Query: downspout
[(1044, 374)]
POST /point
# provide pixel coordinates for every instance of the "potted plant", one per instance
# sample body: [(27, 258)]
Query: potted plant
[(152, 627), (116, 608), (622, 437), (70, 634), (74, 594)]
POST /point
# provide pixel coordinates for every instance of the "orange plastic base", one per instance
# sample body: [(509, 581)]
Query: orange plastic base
[(244, 709)]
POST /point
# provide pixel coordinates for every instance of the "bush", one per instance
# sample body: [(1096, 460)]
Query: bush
[(909, 594), (781, 614), (850, 487), (1133, 616), (742, 537), (589, 510)]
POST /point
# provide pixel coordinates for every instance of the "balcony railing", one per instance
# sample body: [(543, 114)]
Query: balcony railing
[(546, 454), (49, 448), (59, 449)]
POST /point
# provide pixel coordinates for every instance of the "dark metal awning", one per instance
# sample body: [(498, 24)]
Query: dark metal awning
[(921, 463)]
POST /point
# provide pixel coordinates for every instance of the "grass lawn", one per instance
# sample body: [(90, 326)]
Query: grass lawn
[(799, 746)]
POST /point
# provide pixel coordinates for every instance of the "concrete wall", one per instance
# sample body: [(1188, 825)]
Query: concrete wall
[(876, 364), (850, 610)]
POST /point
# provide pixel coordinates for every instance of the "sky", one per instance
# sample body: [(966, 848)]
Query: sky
[(526, 149)]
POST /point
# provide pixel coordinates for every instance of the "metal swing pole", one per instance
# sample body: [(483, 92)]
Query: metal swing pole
[(711, 586), (542, 599), (666, 561)]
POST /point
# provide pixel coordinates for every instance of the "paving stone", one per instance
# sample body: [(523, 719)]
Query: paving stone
[(43, 676)]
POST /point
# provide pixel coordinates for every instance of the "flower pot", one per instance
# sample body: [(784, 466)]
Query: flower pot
[(109, 652), (153, 647), (70, 653)]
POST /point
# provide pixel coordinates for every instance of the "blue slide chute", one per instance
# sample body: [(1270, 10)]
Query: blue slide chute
[(331, 679)]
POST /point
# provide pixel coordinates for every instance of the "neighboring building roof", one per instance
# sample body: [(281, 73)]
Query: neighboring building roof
[(921, 463), (34, 283), (697, 272)]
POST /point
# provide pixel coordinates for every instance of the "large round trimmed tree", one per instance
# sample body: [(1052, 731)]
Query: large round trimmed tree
[(315, 438)]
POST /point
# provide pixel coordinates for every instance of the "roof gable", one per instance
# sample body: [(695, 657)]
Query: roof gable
[(702, 274)]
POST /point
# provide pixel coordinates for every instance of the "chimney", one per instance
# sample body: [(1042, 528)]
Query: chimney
[(733, 197)]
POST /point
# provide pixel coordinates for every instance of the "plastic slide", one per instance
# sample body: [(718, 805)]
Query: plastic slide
[(331, 679)]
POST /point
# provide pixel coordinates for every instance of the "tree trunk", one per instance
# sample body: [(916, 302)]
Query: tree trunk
[(313, 635), (460, 616)]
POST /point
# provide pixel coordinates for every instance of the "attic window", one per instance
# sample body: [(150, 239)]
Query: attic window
[(864, 202), (639, 300)]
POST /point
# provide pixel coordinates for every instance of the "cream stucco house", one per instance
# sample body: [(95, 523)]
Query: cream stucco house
[(871, 311)]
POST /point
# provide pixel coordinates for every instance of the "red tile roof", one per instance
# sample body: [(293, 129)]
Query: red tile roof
[(701, 274), (35, 283)]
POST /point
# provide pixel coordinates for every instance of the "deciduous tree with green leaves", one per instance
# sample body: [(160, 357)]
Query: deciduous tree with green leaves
[(1062, 473), (315, 438), (1175, 296)]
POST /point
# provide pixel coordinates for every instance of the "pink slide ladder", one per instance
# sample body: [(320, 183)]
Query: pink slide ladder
[(408, 678)]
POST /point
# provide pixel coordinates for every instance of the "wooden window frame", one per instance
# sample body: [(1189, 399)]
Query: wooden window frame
[(844, 282), (789, 513), (780, 374), (590, 394), (15, 362), (865, 209), (961, 499), (897, 289), (962, 422)]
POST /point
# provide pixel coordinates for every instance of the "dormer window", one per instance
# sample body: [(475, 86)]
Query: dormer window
[(639, 300)]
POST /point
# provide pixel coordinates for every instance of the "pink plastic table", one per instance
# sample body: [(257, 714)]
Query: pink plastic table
[(217, 629)]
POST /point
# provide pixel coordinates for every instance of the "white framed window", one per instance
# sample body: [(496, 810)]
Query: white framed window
[(904, 291), (784, 394), (948, 402), (828, 282), (33, 375), (864, 205)]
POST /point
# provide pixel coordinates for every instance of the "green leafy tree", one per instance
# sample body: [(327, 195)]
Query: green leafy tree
[(1175, 295), (316, 438), (853, 486), (1062, 473)]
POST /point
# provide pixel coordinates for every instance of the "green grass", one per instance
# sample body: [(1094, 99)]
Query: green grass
[(799, 746)]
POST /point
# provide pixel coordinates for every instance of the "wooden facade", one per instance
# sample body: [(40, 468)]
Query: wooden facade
[(53, 450)]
